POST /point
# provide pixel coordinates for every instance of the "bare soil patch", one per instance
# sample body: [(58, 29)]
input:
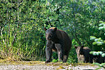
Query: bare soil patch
[(40, 65)]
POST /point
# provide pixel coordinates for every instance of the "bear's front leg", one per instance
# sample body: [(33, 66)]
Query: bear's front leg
[(49, 46), (60, 51)]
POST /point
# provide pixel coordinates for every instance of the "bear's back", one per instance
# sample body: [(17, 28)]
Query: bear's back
[(86, 51), (63, 36)]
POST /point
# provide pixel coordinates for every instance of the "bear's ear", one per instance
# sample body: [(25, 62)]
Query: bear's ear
[(55, 29), (81, 50), (45, 29), (82, 46), (75, 47)]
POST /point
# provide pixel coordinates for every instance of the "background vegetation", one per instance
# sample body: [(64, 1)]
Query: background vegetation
[(22, 36)]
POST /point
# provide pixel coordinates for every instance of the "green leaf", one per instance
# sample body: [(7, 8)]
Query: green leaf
[(94, 43), (91, 52), (100, 28), (54, 60), (96, 40), (103, 0), (94, 53), (103, 55), (92, 37), (99, 43), (100, 52)]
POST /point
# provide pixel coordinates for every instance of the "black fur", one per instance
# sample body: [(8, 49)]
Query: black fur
[(58, 41)]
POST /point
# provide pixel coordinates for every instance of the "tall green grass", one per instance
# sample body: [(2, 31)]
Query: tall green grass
[(22, 42)]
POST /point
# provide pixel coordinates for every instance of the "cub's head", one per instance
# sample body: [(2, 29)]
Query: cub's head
[(51, 33), (79, 50)]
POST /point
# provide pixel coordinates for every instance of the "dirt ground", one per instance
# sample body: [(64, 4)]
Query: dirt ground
[(38, 65)]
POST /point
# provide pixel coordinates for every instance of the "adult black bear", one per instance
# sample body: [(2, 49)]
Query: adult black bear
[(58, 41), (85, 51)]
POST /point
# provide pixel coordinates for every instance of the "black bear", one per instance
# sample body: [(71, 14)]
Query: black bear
[(98, 58), (58, 41), (85, 53)]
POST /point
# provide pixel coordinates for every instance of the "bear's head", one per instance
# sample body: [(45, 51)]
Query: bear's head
[(79, 50), (51, 33)]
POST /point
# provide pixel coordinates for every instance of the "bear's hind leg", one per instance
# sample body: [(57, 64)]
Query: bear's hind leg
[(59, 51), (65, 57)]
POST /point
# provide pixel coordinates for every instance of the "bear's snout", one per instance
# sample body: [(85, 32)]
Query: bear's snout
[(49, 37)]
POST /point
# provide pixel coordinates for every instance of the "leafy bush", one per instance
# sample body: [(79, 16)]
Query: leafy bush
[(22, 23), (99, 41)]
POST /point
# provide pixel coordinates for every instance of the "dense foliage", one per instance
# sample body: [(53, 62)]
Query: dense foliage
[(22, 21), (99, 41)]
